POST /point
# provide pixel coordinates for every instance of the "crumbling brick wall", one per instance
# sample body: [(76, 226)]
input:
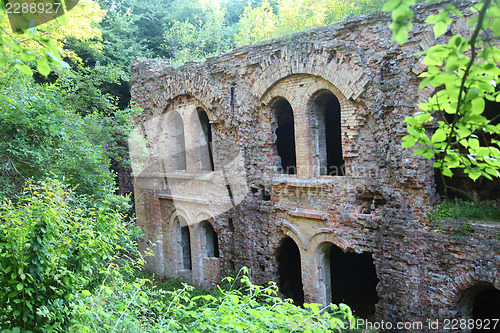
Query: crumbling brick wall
[(379, 206)]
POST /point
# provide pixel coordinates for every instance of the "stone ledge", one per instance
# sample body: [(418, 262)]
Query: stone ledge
[(308, 214), (182, 198)]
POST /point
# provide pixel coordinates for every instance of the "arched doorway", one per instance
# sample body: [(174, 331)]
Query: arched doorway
[(289, 270), (176, 143), (184, 242), (351, 278), (481, 302), (284, 129), (326, 111), (205, 141), (211, 240)]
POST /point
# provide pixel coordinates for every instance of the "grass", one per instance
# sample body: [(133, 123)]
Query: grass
[(464, 210)]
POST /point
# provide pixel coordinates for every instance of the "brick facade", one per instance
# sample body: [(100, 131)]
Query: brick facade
[(378, 207)]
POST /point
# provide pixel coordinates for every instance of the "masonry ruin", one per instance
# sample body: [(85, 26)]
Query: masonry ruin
[(286, 157)]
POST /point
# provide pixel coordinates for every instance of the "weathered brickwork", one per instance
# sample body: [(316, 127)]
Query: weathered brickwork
[(379, 206)]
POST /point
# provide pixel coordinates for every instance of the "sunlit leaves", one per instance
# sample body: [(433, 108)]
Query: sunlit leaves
[(401, 18), (462, 85), (264, 22)]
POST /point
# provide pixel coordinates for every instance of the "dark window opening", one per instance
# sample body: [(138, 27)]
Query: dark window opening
[(285, 136), (289, 270), (178, 143), (326, 108), (211, 241), (205, 149), (230, 224), (486, 306), (266, 196), (353, 281), (186, 248)]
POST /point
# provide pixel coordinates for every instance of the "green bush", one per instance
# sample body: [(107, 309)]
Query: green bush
[(51, 247), (143, 307)]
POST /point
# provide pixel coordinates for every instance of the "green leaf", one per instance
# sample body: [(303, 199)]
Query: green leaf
[(401, 35), (440, 28), (390, 5), (20, 286), (42, 67), (25, 69)]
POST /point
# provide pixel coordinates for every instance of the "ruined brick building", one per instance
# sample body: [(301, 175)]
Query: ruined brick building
[(286, 157)]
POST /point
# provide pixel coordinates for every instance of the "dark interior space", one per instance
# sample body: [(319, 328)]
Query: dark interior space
[(285, 135), (487, 306), (207, 165), (289, 270), (186, 248), (354, 281), (327, 109)]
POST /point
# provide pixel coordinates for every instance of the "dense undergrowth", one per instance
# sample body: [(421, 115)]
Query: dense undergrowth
[(67, 266)]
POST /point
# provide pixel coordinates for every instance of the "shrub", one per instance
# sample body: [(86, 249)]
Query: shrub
[(51, 247), (142, 307)]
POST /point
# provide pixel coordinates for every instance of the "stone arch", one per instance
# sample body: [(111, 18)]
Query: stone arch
[(346, 277), (284, 135), (202, 139), (172, 125), (180, 211), (325, 114), (206, 215), (301, 90), (288, 258), (325, 235), (290, 231), (194, 83), (209, 239), (459, 294), (339, 70)]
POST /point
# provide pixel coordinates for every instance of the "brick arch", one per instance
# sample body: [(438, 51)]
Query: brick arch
[(452, 293), (169, 106), (180, 211), (290, 231), (205, 215), (192, 83), (339, 70), (324, 235)]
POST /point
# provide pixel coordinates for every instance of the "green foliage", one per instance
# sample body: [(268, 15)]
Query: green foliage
[(463, 210), (262, 22), (142, 307), (198, 36), (14, 55), (465, 74), (67, 130), (52, 246)]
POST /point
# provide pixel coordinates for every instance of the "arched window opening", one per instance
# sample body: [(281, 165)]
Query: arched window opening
[(177, 143), (481, 302), (284, 130), (289, 270), (353, 280), (205, 141), (211, 241), (326, 111), (184, 242)]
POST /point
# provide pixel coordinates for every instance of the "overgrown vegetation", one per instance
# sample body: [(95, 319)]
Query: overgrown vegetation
[(65, 267), (464, 210), (53, 245), (239, 306)]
